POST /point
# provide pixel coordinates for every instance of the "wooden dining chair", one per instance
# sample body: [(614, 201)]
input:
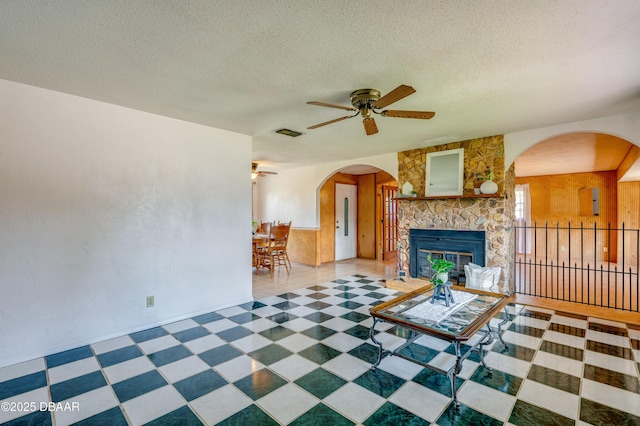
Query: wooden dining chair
[(260, 244), (264, 228), (285, 254), (274, 253)]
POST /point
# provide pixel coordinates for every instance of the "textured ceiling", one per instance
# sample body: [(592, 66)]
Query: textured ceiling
[(485, 67)]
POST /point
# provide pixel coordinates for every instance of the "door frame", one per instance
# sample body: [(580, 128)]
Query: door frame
[(389, 222)]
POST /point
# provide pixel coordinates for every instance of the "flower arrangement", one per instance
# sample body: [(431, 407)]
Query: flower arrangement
[(487, 176)]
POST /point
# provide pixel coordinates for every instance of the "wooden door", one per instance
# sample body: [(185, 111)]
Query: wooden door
[(389, 222)]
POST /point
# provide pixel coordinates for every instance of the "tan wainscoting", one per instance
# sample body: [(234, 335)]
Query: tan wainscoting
[(304, 246)]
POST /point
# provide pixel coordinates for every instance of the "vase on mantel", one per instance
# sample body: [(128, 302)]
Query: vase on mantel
[(489, 187)]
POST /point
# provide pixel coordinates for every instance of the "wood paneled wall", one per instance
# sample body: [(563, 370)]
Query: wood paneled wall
[(304, 246), (629, 215), (367, 216), (555, 199)]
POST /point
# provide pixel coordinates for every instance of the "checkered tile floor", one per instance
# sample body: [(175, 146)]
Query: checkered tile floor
[(303, 357)]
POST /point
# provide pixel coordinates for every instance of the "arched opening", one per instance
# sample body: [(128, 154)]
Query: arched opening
[(577, 220), (376, 226)]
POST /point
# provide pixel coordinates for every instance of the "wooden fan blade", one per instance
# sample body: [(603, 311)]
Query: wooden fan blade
[(324, 104), (329, 122), (424, 115), (261, 172), (370, 126), (395, 95)]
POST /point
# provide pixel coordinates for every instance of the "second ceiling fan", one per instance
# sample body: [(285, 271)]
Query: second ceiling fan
[(259, 173), (368, 101)]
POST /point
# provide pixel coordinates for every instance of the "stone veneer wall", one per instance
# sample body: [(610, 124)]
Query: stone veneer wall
[(495, 215), (480, 156)]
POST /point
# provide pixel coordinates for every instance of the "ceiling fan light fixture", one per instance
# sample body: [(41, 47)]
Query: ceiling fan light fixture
[(255, 173)]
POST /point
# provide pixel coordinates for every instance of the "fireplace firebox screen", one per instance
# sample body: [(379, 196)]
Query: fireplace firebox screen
[(461, 247), (456, 275)]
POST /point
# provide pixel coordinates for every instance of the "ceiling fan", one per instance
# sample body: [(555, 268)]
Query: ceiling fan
[(367, 101), (259, 173)]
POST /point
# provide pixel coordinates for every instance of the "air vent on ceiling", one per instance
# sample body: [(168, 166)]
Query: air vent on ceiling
[(288, 132)]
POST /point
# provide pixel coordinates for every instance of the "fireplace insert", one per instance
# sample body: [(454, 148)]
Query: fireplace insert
[(461, 247)]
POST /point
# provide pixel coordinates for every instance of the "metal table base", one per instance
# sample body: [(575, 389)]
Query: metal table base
[(451, 373)]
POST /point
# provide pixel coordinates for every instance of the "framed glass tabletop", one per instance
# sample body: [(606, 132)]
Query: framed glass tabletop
[(419, 310)]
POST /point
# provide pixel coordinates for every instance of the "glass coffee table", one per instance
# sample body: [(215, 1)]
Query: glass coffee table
[(422, 314)]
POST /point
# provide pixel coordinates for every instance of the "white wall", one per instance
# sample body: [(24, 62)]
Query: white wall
[(101, 206), (293, 195)]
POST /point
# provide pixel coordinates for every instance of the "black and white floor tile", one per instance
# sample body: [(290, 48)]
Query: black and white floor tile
[(303, 358)]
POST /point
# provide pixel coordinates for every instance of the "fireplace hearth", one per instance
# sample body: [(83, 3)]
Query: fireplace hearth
[(461, 247)]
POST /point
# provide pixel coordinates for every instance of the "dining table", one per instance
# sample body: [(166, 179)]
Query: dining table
[(257, 240)]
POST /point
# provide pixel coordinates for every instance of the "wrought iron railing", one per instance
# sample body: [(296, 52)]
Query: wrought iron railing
[(588, 265)]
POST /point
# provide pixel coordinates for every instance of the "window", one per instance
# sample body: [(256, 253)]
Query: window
[(523, 219), (519, 203)]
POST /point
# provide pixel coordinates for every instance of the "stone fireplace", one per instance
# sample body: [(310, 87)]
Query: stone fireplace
[(492, 216)]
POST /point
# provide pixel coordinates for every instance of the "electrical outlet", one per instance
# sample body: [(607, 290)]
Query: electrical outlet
[(606, 249), (561, 248), (150, 301)]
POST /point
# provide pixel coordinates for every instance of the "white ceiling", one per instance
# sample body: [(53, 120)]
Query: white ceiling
[(484, 66)]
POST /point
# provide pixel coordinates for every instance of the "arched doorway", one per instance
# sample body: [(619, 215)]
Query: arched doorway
[(375, 233), (577, 219)]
